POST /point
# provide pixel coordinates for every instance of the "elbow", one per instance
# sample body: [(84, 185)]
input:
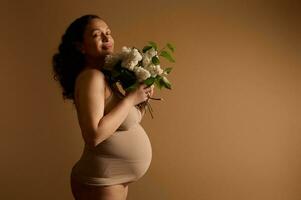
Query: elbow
[(92, 143), (95, 135), (93, 138)]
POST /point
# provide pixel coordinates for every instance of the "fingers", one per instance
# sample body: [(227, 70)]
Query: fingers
[(152, 92), (148, 90)]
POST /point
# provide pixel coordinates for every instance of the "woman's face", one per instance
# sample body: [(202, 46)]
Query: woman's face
[(97, 40)]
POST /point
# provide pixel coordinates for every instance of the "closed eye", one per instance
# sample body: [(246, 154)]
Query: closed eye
[(95, 35)]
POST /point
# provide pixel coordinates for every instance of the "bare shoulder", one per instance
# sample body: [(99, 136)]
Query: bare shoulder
[(89, 81), (89, 74)]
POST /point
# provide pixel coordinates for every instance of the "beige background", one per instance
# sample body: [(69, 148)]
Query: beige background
[(229, 130)]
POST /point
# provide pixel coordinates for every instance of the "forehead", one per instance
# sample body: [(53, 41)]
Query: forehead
[(96, 24)]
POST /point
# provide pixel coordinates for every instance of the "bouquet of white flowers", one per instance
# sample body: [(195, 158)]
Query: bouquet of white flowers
[(132, 67)]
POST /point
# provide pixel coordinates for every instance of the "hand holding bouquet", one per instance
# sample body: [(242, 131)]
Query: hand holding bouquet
[(132, 67)]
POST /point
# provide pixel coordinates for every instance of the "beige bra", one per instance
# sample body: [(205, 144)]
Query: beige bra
[(134, 116)]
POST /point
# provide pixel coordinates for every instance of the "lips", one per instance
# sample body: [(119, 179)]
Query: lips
[(107, 46)]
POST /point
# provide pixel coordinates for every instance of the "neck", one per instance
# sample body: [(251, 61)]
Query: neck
[(95, 63)]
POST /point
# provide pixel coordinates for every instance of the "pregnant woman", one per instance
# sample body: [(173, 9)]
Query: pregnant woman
[(117, 150)]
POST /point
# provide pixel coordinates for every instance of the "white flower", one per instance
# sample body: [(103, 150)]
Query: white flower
[(150, 68), (151, 52), (146, 60), (154, 69), (130, 58), (135, 68), (111, 60), (125, 50), (165, 80), (158, 70), (148, 55), (141, 73)]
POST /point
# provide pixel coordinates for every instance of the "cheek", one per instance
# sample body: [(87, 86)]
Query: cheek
[(92, 47), (96, 43)]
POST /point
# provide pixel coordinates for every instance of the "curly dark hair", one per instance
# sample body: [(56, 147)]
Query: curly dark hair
[(68, 62)]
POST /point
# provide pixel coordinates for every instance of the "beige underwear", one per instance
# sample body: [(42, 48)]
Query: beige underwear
[(123, 157)]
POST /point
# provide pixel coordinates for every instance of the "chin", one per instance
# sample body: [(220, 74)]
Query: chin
[(110, 51), (103, 54)]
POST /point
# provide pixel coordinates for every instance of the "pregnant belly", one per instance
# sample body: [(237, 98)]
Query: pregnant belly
[(124, 154), (132, 145)]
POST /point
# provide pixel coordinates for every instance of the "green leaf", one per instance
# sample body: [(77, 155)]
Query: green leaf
[(153, 44), (127, 73), (166, 83), (146, 48), (132, 87), (171, 47), (115, 73), (167, 70), (158, 83), (149, 81), (161, 82), (155, 60), (166, 55)]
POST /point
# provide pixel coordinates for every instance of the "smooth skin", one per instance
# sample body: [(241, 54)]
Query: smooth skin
[(91, 91)]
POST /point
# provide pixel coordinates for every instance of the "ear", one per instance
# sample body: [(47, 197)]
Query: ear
[(79, 47)]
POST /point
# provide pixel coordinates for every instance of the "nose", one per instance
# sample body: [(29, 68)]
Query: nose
[(105, 38)]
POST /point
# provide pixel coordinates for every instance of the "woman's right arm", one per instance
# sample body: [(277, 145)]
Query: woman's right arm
[(94, 125)]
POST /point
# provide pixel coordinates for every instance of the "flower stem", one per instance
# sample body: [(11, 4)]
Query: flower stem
[(150, 109), (161, 99)]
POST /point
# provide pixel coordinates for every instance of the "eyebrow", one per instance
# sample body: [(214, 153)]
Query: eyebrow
[(97, 29)]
